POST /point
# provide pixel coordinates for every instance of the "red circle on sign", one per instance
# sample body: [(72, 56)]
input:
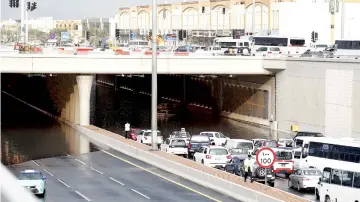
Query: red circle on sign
[(257, 157)]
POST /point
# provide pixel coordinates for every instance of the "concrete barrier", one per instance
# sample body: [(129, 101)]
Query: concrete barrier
[(226, 187)]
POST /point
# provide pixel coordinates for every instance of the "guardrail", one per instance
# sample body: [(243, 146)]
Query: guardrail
[(11, 189), (231, 189)]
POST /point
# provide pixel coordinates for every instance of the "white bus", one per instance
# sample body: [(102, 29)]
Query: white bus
[(138, 45), (340, 183), (228, 42), (347, 48), (287, 45), (321, 152)]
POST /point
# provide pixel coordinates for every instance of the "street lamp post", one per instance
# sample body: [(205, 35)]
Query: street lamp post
[(154, 77)]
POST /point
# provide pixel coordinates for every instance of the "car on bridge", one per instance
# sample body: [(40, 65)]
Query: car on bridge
[(175, 146), (34, 181), (196, 142), (212, 156), (145, 137), (216, 138)]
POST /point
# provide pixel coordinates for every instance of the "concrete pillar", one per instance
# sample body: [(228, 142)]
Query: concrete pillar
[(217, 96), (72, 107), (76, 104), (84, 84), (84, 144), (67, 111), (63, 113)]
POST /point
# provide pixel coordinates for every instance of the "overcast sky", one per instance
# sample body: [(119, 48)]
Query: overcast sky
[(72, 9)]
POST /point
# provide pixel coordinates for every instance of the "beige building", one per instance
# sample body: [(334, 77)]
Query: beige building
[(206, 19), (74, 27)]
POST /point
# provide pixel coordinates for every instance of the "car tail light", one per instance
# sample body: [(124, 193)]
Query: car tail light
[(280, 52), (208, 156), (228, 157), (189, 145), (269, 52), (279, 145), (305, 179)]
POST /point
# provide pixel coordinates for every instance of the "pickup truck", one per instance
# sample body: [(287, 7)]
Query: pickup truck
[(145, 137), (196, 142), (217, 138), (175, 146)]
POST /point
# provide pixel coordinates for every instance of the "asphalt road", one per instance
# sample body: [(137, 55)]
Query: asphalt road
[(109, 176)]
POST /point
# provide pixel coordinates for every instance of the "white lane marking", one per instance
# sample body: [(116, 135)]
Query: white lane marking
[(63, 183), (82, 195), (96, 170), (48, 172), (116, 181), (35, 162), (80, 161), (140, 193), (67, 154)]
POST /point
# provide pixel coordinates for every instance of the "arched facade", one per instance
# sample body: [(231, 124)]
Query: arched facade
[(125, 20), (164, 21), (190, 19), (220, 18), (261, 18), (143, 20)]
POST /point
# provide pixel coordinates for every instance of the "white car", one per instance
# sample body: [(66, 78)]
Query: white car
[(212, 156), (145, 137), (33, 180), (216, 137), (175, 146)]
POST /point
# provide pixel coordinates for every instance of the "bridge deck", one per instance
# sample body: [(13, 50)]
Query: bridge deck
[(276, 193)]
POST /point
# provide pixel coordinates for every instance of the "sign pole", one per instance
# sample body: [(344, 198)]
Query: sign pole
[(154, 77), (265, 158), (266, 175)]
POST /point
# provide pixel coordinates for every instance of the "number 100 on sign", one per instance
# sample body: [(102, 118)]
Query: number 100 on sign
[(265, 157)]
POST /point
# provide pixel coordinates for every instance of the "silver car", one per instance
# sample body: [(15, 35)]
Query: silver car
[(305, 178)]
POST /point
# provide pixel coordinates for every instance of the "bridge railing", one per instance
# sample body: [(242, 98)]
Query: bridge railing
[(10, 188)]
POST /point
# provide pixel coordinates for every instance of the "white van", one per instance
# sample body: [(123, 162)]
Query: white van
[(239, 147)]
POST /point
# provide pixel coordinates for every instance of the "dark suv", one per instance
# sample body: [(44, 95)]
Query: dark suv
[(196, 142), (308, 134)]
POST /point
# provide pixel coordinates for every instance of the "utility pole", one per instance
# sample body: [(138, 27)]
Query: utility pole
[(26, 26), (154, 77), (342, 18), (253, 17), (22, 29)]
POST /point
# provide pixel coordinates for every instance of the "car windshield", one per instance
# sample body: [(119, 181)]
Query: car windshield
[(149, 134), (283, 155), (270, 144), (218, 152), (208, 134), (312, 172), (30, 176), (199, 139), (177, 143), (181, 134)]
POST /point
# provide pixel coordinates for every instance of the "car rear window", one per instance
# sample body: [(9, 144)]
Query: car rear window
[(312, 172), (218, 152), (271, 144), (30, 176), (149, 133), (178, 143), (283, 155), (208, 134), (199, 139)]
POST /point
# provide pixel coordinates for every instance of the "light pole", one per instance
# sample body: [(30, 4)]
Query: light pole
[(253, 17), (154, 77)]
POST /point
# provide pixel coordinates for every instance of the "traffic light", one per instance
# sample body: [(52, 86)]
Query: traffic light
[(223, 11), (316, 36), (313, 36), (16, 3), (203, 9), (184, 34), (87, 35), (33, 6), (28, 5), (180, 35), (11, 3), (117, 33)]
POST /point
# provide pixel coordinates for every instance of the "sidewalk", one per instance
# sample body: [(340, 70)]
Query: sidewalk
[(276, 193)]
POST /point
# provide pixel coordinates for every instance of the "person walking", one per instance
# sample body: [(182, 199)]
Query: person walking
[(127, 130), (248, 163)]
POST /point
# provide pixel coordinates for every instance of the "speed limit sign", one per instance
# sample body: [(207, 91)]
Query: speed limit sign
[(265, 157)]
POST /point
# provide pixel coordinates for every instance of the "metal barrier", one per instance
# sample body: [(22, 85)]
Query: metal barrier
[(10, 188)]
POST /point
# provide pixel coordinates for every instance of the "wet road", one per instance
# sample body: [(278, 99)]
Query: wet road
[(29, 135)]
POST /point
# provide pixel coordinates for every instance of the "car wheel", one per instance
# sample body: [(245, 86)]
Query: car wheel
[(43, 194), (289, 184), (317, 194), (260, 172), (327, 199), (271, 184), (298, 187)]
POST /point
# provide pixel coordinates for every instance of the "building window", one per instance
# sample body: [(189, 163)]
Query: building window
[(76, 27)]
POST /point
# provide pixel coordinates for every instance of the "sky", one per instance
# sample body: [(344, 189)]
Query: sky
[(72, 9)]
